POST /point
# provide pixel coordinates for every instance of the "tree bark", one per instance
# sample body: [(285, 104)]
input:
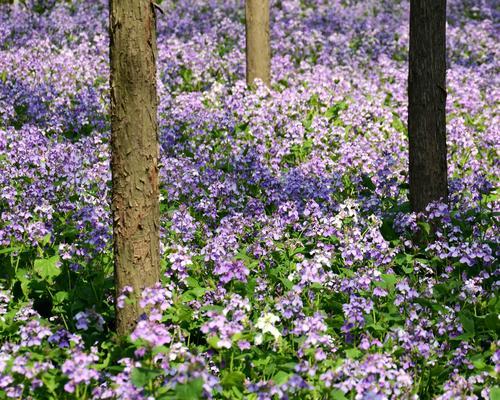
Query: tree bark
[(427, 103), (135, 152), (258, 48)]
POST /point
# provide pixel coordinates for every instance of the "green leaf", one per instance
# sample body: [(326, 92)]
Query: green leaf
[(24, 280), (49, 381), (269, 369), (437, 370), (353, 353), (198, 291), (376, 327), (405, 261), (402, 259), (289, 366), (9, 250), (182, 314), (213, 341), (426, 227), (398, 124), (337, 394), (160, 350), (46, 239), (192, 283), (189, 391), (237, 393), (287, 283), (333, 112), (60, 297), (407, 269), (467, 323), (250, 286), (233, 379), (494, 305), (142, 376), (367, 183), (495, 393), (242, 127), (440, 290), (478, 362), (492, 322), (387, 230), (281, 377), (389, 280), (463, 336), (47, 268)]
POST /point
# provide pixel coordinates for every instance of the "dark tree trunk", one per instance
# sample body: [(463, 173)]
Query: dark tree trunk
[(427, 103), (258, 49), (135, 151)]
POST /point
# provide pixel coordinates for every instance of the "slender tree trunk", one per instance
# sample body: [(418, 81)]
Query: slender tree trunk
[(135, 151), (258, 48), (427, 103)]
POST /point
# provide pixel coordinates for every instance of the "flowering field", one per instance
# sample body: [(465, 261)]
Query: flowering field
[(293, 268)]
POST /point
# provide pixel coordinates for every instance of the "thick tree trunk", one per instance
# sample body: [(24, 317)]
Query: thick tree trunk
[(427, 103), (258, 49), (135, 151)]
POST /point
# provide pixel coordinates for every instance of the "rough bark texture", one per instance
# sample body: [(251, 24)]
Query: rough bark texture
[(427, 103), (258, 49), (135, 151)]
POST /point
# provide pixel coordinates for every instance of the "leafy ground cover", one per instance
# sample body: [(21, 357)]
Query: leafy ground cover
[(293, 268)]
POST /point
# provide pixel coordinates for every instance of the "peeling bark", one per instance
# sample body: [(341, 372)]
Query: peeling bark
[(135, 151)]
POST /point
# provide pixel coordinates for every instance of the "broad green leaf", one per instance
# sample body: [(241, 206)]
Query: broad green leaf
[(376, 327), (492, 322), (478, 362), (189, 391), (199, 291), (59, 297), (47, 268), (337, 394), (387, 230), (353, 353), (191, 282), (24, 279), (46, 239), (389, 280), (495, 393), (142, 376), (213, 341), (467, 323), (233, 379), (425, 226), (281, 377)]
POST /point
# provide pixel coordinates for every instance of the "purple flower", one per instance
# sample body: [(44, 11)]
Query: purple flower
[(84, 318), (79, 369), (152, 332), (229, 270), (33, 333)]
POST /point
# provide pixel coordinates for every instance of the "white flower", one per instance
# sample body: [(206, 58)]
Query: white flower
[(266, 325)]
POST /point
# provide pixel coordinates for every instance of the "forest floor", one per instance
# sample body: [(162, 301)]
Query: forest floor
[(292, 265)]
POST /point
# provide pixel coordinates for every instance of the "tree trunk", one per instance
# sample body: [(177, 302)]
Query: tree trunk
[(135, 152), (258, 49), (427, 103)]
